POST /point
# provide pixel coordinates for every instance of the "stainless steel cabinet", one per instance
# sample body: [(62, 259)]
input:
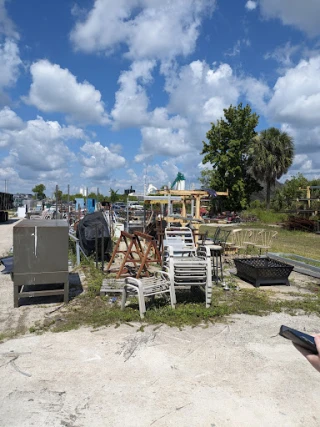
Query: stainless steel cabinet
[(40, 258)]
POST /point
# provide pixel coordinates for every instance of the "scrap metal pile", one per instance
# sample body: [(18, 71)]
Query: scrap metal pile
[(299, 223)]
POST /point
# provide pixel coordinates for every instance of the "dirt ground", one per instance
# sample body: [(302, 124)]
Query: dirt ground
[(236, 374)]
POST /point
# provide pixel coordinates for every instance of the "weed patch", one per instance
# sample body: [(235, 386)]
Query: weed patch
[(97, 312)]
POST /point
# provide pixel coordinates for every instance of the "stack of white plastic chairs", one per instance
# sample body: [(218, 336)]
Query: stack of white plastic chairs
[(187, 265)]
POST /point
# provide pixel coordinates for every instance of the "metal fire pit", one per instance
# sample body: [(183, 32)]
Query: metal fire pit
[(263, 271)]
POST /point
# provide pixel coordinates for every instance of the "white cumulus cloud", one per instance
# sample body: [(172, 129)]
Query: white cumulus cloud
[(166, 142), (7, 27), (198, 94), (296, 98), (55, 89), (251, 5), (132, 101), (9, 120), (304, 15), (153, 29), (38, 148), (98, 161), (10, 63)]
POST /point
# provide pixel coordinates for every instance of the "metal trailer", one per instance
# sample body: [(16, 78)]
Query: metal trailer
[(6, 203)]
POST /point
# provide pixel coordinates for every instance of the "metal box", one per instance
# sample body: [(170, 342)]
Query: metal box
[(40, 257), (263, 271)]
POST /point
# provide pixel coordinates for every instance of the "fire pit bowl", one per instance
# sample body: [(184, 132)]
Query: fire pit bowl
[(263, 271)]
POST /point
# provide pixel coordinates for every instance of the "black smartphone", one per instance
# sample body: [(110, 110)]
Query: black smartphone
[(304, 340)]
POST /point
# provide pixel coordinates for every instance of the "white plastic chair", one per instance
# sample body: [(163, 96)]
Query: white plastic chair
[(180, 239), (148, 287), (189, 271)]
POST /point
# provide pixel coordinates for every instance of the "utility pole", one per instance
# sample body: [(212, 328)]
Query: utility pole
[(57, 188), (69, 204)]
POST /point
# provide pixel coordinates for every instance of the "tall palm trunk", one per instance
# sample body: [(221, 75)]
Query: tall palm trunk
[(268, 194)]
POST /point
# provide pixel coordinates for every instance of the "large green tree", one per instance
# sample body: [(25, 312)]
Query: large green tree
[(227, 150), (272, 155), (38, 191)]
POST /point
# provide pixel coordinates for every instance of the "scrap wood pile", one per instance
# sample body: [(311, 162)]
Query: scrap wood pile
[(298, 223)]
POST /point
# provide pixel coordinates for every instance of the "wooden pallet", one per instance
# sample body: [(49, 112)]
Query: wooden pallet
[(111, 286)]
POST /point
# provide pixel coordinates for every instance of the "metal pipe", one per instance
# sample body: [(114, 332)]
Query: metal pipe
[(127, 217), (96, 245), (78, 252), (57, 188), (68, 204), (102, 248), (169, 204)]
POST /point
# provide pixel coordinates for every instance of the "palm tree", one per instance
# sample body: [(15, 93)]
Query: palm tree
[(114, 196), (272, 154)]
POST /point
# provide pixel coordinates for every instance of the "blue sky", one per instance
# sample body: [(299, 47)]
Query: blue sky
[(98, 93)]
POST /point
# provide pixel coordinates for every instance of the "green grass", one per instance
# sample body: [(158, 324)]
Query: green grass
[(91, 310), (190, 310), (286, 241), (305, 261), (4, 336)]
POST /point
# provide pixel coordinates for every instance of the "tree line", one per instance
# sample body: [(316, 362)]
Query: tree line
[(39, 194)]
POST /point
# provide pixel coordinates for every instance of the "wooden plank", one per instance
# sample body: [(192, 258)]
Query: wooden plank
[(190, 193)]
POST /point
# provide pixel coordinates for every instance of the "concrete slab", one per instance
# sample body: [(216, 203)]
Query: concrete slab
[(240, 374)]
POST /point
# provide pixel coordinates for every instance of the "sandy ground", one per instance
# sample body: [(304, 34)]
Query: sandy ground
[(235, 374), (239, 374), (6, 238)]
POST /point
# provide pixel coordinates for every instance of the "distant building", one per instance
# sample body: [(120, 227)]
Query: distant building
[(129, 191)]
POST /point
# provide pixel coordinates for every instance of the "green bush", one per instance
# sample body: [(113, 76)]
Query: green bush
[(265, 216), (257, 204)]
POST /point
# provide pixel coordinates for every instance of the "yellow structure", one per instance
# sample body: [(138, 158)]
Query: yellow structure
[(308, 199), (188, 195), (183, 197)]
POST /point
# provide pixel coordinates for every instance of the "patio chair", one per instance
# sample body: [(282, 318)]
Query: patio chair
[(235, 238), (190, 271), (221, 237), (217, 250), (252, 237), (202, 237), (264, 240), (148, 287), (180, 239)]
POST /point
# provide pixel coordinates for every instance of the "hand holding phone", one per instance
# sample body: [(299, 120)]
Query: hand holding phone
[(299, 338), (308, 346)]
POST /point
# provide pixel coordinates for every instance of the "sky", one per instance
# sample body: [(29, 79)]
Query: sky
[(108, 94)]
